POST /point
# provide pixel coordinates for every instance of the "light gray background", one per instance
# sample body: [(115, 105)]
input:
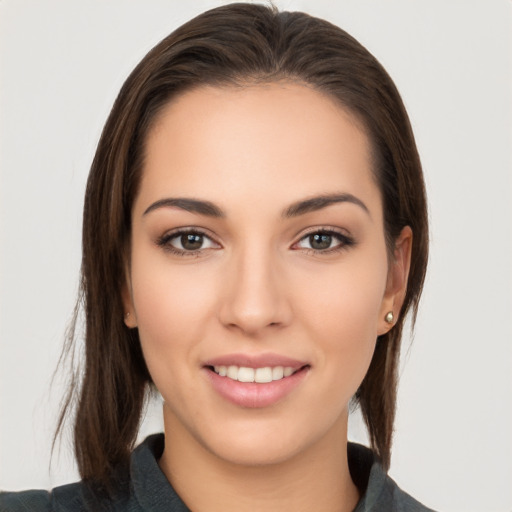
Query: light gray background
[(62, 63)]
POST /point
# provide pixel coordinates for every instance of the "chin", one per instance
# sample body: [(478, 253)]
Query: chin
[(256, 451), (269, 442)]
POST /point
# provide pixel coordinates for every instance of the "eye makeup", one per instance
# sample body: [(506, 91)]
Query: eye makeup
[(193, 241), (190, 241)]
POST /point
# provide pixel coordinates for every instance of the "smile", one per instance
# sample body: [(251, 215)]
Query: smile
[(261, 375)]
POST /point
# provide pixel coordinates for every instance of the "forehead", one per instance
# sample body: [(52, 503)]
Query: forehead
[(280, 139)]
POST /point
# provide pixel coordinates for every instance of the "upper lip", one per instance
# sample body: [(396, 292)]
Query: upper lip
[(255, 361)]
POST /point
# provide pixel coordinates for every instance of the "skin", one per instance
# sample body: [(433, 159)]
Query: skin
[(256, 286)]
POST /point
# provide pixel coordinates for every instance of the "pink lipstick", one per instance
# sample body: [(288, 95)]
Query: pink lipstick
[(255, 381)]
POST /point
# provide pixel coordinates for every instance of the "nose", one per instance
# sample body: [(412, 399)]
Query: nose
[(255, 294)]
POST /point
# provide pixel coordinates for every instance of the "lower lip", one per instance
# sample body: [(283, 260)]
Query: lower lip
[(254, 394)]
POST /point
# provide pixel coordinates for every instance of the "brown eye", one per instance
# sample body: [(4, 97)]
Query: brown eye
[(324, 241), (320, 241), (191, 241), (187, 242)]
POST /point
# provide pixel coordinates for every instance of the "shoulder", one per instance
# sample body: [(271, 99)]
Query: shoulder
[(61, 499), (397, 499), (24, 501), (140, 487), (379, 491), (76, 497)]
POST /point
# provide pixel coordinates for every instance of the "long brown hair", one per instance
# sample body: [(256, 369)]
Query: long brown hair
[(233, 44)]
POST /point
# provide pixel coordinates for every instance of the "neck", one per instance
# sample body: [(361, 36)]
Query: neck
[(318, 478)]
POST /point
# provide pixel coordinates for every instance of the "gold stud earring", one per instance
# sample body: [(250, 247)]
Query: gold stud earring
[(389, 317)]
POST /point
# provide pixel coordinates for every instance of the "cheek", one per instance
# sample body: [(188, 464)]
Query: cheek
[(173, 307), (164, 291), (346, 298), (341, 312)]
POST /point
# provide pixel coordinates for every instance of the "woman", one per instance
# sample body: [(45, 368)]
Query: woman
[(255, 232)]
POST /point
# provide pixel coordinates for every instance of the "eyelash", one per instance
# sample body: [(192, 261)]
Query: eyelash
[(345, 241), (165, 241)]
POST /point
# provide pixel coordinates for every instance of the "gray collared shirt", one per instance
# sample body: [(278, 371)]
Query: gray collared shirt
[(145, 488)]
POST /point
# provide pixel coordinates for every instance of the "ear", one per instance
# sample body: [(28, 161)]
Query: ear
[(130, 318), (396, 286)]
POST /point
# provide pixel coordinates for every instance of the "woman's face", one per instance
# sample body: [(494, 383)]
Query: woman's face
[(259, 278)]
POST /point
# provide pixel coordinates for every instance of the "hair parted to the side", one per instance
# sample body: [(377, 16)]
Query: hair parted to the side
[(231, 45)]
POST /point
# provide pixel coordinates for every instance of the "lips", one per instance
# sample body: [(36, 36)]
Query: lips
[(255, 381)]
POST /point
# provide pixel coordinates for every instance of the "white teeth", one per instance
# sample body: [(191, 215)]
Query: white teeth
[(232, 372), (263, 374), (245, 374), (221, 370), (288, 371), (277, 373), (260, 375)]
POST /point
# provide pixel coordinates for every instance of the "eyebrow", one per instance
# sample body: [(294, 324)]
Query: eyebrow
[(319, 202), (209, 209), (190, 205)]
